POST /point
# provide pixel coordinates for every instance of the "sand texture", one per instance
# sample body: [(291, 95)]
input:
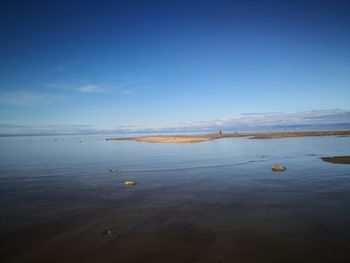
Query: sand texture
[(214, 136)]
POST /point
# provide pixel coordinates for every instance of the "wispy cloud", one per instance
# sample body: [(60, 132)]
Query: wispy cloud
[(91, 89), (23, 97), (125, 86)]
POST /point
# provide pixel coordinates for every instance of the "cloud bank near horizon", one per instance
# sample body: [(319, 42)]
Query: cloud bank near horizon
[(273, 121), (256, 121)]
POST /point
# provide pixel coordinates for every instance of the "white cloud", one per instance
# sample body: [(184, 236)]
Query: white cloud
[(305, 120), (91, 89)]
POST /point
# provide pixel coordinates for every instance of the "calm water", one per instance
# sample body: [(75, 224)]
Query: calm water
[(214, 201)]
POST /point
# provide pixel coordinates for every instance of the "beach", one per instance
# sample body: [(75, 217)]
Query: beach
[(175, 131)]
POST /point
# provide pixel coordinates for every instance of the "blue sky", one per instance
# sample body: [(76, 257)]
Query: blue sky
[(128, 65)]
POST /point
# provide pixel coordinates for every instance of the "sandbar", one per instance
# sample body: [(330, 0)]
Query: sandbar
[(337, 159), (215, 136)]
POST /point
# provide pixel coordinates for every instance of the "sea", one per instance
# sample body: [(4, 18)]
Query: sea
[(63, 199)]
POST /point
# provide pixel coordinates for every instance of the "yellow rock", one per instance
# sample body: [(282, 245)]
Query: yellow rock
[(278, 168)]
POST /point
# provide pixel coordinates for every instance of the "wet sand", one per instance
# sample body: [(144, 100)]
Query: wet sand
[(185, 233), (337, 159), (215, 136)]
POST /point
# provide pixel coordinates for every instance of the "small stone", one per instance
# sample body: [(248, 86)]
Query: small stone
[(278, 168), (129, 182), (107, 232)]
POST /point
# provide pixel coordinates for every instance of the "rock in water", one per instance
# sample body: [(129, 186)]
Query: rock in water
[(278, 168), (129, 182)]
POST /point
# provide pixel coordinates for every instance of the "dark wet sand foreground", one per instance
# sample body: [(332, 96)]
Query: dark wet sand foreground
[(160, 227)]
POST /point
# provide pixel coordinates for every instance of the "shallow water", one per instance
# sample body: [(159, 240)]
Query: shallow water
[(215, 201)]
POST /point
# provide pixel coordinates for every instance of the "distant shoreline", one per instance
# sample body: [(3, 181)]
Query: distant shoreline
[(215, 136)]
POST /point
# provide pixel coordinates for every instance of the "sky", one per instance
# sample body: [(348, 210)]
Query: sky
[(97, 66)]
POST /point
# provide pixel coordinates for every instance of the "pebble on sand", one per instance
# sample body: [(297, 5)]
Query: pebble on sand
[(107, 232), (129, 182), (278, 168)]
